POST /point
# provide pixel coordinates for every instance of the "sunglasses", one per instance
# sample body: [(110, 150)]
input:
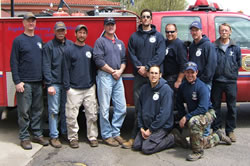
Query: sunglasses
[(167, 32), (148, 17)]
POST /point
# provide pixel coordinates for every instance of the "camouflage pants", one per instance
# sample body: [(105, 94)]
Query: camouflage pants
[(197, 126)]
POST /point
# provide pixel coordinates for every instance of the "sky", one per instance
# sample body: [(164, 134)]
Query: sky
[(230, 5)]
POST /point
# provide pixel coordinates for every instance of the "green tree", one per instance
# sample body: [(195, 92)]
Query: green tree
[(154, 5)]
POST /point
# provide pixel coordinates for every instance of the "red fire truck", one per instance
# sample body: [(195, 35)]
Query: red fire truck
[(209, 15)]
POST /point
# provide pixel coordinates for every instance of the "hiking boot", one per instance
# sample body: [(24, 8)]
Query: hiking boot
[(25, 144), (179, 139), (40, 140), (55, 142), (232, 136), (93, 143), (111, 142), (195, 156), (74, 144), (128, 144), (120, 140), (223, 137)]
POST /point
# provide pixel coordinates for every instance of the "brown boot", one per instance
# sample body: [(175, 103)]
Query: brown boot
[(25, 144), (223, 137), (55, 142), (40, 140), (93, 143), (111, 141), (128, 144), (74, 144), (119, 139), (232, 136)]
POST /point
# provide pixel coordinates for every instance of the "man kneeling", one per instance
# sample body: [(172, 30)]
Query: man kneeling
[(195, 94), (155, 115)]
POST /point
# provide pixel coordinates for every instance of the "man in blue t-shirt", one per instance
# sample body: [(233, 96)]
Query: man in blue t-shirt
[(79, 82), (26, 68)]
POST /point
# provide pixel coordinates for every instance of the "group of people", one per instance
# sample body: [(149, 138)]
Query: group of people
[(166, 75)]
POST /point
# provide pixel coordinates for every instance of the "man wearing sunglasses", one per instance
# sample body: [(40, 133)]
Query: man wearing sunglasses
[(175, 58), (146, 47)]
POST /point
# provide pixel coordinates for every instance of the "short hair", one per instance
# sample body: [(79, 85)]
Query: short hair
[(147, 10), (225, 24), (155, 66), (173, 25)]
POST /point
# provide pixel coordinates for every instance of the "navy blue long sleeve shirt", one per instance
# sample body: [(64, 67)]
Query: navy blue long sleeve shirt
[(204, 55), (196, 96), (229, 62), (78, 67), (109, 52), (53, 60), (26, 59), (146, 48), (175, 58), (156, 107)]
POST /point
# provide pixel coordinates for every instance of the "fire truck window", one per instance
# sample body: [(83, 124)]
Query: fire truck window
[(182, 24), (240, 30)]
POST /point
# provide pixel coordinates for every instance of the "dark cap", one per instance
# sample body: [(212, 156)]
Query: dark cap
[(29, 15), (79, 27), (109, 20), (195, 24), (60, 25), (191, 66)]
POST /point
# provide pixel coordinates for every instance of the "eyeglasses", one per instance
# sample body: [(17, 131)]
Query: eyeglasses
[(148, 17), (167, 32)]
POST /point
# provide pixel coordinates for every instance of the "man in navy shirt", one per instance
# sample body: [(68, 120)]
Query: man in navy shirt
[(155, 114), (199, 114), (79, 82), (52, 72), (109, 55), (225, 79), (26, 68), (146, 47)]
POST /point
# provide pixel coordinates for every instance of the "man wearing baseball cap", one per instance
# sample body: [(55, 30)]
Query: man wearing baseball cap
[(109, 55), (26, 68), (199, 113), (79, 82), (52, 72)]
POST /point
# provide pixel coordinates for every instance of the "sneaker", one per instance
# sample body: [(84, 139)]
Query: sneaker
[(40, 140), (128, 144), (74, 144), (93, 143), (120, 140), (179, 139), (25, 144), (195, 156), (223, 137), (55, 142), (111, 141), (232, 136)]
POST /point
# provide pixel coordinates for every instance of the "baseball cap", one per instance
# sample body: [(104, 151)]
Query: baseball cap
[(79, 27), (195, 24), (191, 66), (109, 20), (60, 25), (29, 15)]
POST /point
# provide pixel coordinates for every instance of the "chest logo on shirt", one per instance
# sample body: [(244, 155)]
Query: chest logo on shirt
[(167, 51), (156, 96), (88, 54), (194, 96), (152, 39), (119, 46), (39, 44), (231, 53), (198, 52)]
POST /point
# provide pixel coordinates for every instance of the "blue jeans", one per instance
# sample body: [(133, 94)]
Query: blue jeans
[(55, 105), (30, 108), (108, 88)]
